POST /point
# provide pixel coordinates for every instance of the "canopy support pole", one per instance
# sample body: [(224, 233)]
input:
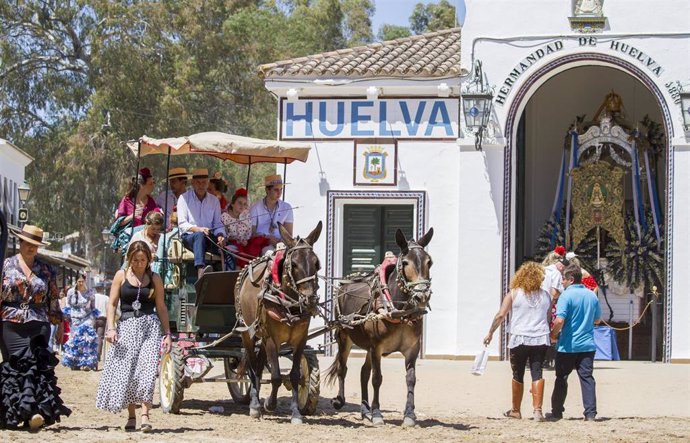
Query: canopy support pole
[(136, 180), (284, 176), (167, 189), (249, 171)]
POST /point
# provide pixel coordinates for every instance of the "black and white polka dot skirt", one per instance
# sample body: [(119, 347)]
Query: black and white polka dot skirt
[(131, 366)]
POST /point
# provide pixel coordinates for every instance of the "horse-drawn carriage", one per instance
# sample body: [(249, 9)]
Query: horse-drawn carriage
[(250, 318), (203, 313)]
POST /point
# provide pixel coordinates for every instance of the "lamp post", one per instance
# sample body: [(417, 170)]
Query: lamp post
[(477, 102), (23, 214), (105, 235)]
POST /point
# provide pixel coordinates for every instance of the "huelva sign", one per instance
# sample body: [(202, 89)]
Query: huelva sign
[(637, 55)]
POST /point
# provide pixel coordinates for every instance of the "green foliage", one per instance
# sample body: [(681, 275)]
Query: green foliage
[(79, 78), (392, 32), (432, 17), (640, 262)]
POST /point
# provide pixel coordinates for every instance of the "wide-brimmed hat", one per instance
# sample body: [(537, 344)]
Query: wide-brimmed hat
[(177, 173), (273, 180), (31, 234), (200, 173)]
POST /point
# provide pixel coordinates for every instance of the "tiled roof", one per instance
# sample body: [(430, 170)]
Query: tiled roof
[(436, 54)]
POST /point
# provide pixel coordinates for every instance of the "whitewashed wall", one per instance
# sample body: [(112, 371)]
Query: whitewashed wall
[(12, 164)]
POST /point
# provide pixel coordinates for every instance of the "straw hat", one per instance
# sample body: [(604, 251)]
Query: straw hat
[(273, 180), (30, 234), (177, 173), (200, 173)]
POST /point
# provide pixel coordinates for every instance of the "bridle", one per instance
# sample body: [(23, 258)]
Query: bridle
[(292, 284), (418, 292)]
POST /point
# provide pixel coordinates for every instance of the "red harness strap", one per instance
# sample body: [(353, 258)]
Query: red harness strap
[(387, 262)]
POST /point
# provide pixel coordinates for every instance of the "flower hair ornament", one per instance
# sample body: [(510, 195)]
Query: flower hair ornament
[(218, 175), (560, 250), (241, 192)]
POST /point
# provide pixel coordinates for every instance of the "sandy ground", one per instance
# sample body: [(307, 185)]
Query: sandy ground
[(637, 401)]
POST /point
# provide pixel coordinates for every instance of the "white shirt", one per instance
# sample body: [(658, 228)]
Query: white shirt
[(200, 213), (266, 221), (528, 318), (162, 199), (552, 279), (101, 304)]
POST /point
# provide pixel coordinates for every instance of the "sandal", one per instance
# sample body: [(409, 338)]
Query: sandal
[(145, 427), (131, 424)]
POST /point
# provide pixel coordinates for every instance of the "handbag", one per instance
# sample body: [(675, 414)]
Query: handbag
[(480, 361)]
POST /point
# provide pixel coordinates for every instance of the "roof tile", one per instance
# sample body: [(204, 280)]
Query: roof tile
[(435, 54)]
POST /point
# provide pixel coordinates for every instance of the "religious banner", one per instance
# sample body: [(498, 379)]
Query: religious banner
[(375, 163), (597, 201)]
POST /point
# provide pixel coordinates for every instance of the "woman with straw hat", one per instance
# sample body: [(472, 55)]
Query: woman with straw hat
[(29, 394)]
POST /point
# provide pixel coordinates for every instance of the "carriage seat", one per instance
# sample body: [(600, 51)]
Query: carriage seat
[(387, 267), (178, 253)]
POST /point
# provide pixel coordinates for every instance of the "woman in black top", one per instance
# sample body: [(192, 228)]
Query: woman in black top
[(129, 373)]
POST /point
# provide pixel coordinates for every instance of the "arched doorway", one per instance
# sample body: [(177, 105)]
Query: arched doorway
[(539, 119)]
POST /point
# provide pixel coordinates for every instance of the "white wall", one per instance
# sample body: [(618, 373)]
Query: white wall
[(12, 164), (680, 340)]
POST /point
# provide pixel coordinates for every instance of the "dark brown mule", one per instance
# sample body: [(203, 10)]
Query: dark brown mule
[(410, 289), (272, 316)]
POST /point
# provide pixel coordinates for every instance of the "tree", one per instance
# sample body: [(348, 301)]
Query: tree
[(432, 17), (357, 21), (392, 32)]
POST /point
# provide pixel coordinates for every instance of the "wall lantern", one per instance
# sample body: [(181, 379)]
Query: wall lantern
[(685, 106), (477, 102), (443, 90), (292, 95), (373, 93), (24, 191)]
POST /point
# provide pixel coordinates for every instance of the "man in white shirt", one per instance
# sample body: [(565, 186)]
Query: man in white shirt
[(177, 185), (101, 303), (198, 217), (267, 213)]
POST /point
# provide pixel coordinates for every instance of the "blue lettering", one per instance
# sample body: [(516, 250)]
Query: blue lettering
[(412, 127), (323, 119), (356, 118), (439, 107), (292, 117), (384, 123)]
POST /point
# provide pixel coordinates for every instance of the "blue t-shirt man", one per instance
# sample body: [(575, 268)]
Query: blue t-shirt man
[(579, 308)]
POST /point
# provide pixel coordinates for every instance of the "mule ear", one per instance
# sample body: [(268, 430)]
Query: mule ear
[(426, 238), (314, 235), (287, 238), (401, 241)]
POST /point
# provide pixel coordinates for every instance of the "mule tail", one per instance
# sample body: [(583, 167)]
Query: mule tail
[(333, 370)]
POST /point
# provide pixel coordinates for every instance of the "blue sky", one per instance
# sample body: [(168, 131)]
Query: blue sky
[(397, 12)]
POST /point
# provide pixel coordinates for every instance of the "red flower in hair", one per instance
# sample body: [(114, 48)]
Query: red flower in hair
[(560, 250), (241, 192)]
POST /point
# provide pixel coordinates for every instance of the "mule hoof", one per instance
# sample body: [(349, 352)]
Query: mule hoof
[(255, 413), (270, 406), (337, 403), (408, 422), (296, 420), (377, 420)]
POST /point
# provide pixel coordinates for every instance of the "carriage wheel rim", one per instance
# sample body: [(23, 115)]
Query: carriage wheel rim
[(241, 387), (167, 377)]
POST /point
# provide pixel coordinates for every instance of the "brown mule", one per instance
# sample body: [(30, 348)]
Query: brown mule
[(409, 286)]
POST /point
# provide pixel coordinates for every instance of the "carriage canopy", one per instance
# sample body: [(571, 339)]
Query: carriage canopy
[(236, 148)]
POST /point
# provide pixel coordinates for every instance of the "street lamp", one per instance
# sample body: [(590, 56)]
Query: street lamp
[(23, 214), (477, 101), (106, 236)]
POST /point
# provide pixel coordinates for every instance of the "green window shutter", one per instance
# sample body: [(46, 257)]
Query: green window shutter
[(369, 231), (362, 249), (394, 217)]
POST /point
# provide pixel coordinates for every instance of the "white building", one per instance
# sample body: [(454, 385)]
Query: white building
[(13, 162), (550, 61)]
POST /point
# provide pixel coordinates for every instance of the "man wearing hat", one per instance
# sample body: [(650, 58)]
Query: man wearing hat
[(177, 180), (198, 217), (270, 211)]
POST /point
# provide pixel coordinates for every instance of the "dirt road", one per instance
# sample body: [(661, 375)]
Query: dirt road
[(637, 402)]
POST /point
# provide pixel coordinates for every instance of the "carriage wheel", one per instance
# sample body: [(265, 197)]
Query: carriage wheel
[(238, 391), (171, 380), (309, 383)]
